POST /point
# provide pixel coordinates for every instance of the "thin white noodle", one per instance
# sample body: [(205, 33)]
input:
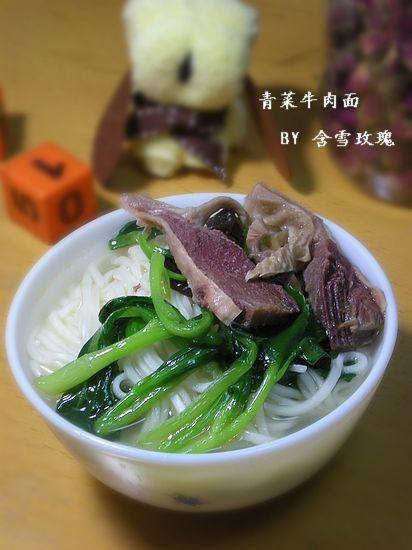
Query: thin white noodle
[(256, 438), (261, 423), (284, 391), (298, 368), (201, 386), (317, 378), (52, 342), (307, 385), (96, 275), (177, 403), (299, 408), (62, 329), (279, 427), (116, 385)]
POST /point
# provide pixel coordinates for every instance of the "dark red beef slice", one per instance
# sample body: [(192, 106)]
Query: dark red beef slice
[(215, 268), (341, 299), (226, 264)]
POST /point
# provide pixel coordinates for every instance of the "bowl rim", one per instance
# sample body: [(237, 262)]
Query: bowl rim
[(367, 387)]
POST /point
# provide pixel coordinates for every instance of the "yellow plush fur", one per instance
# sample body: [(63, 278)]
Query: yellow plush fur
[(217, 34)]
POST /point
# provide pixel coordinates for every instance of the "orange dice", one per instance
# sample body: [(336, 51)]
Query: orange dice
[(48, 191)]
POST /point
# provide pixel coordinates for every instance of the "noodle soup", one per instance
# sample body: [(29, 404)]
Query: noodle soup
[(58, 340)]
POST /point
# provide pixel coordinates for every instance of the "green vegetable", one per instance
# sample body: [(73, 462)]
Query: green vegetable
[(238, 368), (171, 317), (122, 302), (222, 412), (178, 439), (105, 426), (128, 239), (131, 234), (149, 249), (279, 353), (127, 410), (129, 227), (128, 235), (212, 338), (87, 365), (86, 402), (347, 376), (238, 396), (311, 351), (83, 404), (110, 330), (134, 325)]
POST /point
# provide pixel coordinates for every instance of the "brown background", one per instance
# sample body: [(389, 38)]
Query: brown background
[(59, 63)]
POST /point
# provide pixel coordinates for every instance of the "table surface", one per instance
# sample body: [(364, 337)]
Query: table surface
[(59, 63)]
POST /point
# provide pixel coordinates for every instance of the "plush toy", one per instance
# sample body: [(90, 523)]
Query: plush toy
[(183, 101)]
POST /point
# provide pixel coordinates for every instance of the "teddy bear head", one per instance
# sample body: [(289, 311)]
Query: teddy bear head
[(192, 53)]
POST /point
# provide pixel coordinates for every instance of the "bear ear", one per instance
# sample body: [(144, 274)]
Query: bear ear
[(130, 8), (130, 12), (251, 22), (110, 133)]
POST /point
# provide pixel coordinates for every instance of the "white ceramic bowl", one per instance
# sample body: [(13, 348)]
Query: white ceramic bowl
[(204, 482)]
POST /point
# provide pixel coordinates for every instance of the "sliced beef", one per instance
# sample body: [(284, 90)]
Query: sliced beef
[(345, 304), (351, 311), (215, 267)]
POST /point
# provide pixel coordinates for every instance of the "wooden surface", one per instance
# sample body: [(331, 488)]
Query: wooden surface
[(59, 63)]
